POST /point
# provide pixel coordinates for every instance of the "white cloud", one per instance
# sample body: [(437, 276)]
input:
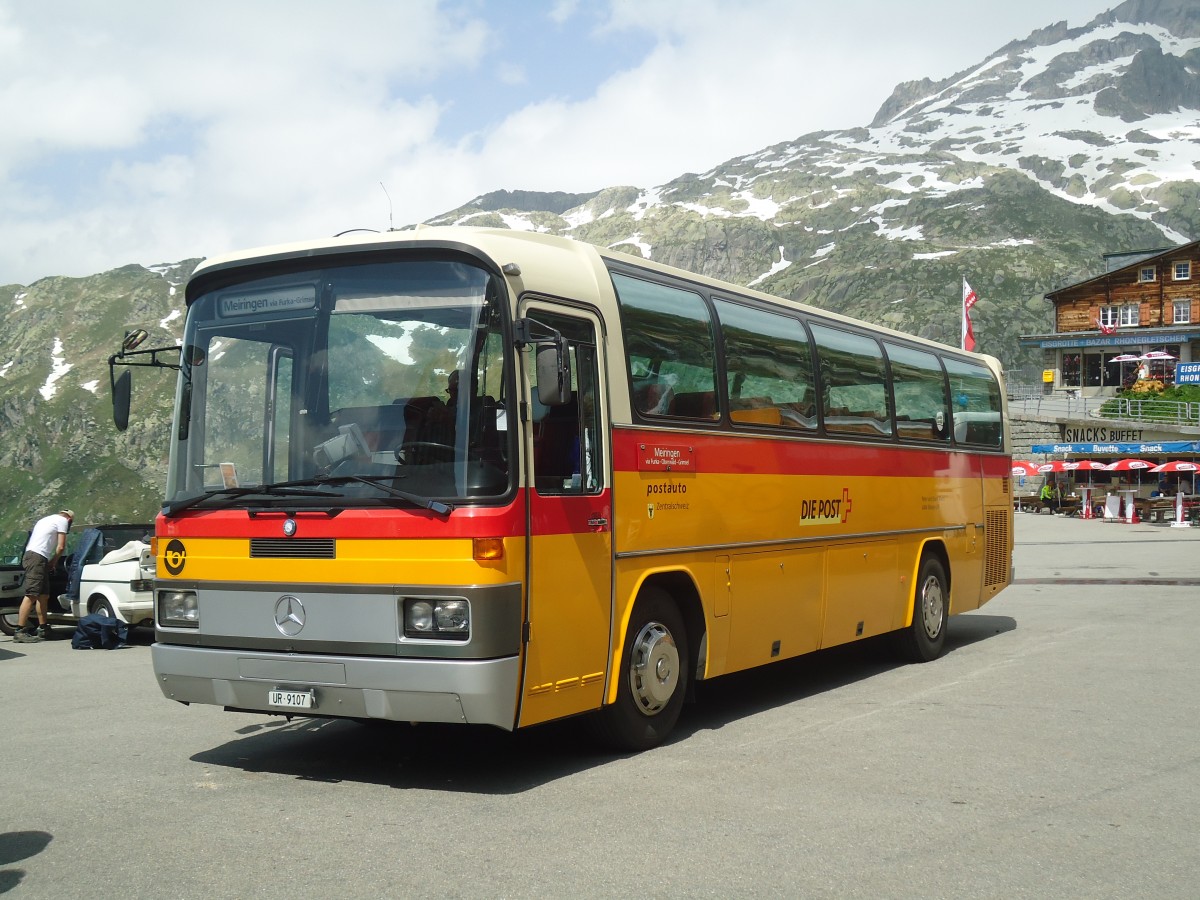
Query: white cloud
[(144, 133)]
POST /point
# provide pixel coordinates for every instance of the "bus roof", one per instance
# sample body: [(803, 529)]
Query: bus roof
[(534, 253)]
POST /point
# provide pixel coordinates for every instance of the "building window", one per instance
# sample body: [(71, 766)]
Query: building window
[(1130, 314), (1110, 316), (1183, 312), (1183, 271), (1147, 273)]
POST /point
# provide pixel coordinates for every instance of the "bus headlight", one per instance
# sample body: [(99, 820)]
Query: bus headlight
[(178, 609), (444, 619)]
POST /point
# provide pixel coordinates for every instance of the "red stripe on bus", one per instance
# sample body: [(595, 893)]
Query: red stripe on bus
[(736, 454), (375, 524)]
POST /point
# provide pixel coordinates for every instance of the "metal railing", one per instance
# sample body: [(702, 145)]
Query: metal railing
[(1033, 400), (1160, 412)]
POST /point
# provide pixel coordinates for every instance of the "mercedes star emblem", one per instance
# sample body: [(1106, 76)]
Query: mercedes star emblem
[(289, 615)]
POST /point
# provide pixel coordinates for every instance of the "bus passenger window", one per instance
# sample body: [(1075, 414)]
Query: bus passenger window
[(919, 394), (672, 354), (769, 368), (977, 403), (854, 383)]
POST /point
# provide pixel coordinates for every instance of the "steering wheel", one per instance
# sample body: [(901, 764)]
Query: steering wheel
[(446, 452)]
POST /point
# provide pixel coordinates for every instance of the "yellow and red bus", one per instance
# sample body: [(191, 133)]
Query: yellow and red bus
[(488, 476)]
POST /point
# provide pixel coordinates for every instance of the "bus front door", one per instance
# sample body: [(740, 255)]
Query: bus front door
[(569, 607)]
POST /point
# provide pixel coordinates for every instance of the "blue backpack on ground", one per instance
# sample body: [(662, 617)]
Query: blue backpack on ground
[(96, 632)]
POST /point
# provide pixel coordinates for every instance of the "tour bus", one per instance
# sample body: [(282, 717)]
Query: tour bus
[(486, 476)]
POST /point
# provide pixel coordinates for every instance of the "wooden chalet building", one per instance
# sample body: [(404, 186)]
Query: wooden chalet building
[(1146, 302)]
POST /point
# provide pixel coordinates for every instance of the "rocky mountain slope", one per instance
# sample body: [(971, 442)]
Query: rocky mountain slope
[(1017, 173)]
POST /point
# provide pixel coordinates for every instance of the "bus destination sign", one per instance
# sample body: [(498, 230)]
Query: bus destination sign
[(666, 458)]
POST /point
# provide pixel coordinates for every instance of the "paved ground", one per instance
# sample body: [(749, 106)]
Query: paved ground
[(1054, 751)]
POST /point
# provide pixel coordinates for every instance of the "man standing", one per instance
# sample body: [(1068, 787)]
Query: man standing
[(46, 544)]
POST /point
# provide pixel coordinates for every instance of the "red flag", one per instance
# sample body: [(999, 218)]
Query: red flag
[(968, 333), (1104, 329)]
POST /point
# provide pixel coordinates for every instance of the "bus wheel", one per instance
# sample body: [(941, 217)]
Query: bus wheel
[(924, 639), (653, 677)]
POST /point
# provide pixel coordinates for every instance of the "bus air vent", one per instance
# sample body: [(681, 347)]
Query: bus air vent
[(996, 552), (293, 548)]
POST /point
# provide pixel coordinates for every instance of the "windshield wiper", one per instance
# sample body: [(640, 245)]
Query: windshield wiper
[(435, 506), (233, 494)]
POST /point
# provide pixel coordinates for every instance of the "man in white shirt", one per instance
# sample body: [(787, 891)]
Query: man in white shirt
[(46, 544)]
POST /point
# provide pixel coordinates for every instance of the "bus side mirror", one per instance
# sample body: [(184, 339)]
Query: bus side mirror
[(554, 373), (120, 400), (134, 339)]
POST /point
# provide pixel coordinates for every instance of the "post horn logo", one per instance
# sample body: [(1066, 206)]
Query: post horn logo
[(175, 556)]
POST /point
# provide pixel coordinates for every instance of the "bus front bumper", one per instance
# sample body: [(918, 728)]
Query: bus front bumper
[(482, 692)]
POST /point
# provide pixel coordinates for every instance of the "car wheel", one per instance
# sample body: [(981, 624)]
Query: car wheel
[(8, 623), (101, 606)]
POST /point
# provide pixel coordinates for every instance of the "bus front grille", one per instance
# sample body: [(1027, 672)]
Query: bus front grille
[(293, 548)]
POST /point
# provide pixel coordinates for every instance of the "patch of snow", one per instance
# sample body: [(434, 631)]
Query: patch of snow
[(4, 368), (775, 267), (938, 255), (90, 386), (636, 241), (581, 216), (58, 368), (519, 223), (170, 317)]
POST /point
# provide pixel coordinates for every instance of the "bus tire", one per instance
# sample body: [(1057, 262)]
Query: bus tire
[(653, 677), (925, 638)]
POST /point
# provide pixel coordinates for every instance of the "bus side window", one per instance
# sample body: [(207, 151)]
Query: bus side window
[(854, 381), (977, 403), (919, 394), (566, 438), (769, 368), (672, 352)]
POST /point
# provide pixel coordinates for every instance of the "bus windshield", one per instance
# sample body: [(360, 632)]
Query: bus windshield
[(344, 385)]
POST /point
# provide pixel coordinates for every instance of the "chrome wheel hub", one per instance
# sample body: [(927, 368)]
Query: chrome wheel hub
[(654, 668), (933, 607)]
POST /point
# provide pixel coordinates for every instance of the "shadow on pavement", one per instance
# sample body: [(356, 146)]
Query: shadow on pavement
[(15, 846), (485, 760)]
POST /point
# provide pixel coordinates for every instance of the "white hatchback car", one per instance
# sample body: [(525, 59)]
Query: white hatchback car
[(120, 585)]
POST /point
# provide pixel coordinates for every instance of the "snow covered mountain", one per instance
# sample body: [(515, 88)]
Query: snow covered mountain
[(1017, 173)]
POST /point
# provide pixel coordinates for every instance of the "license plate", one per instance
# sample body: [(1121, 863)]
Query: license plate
[(291, 699)]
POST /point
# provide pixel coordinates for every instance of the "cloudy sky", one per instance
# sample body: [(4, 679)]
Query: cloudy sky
[(146, 132)]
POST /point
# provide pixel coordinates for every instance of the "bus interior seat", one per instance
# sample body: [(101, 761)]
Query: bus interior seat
[(798, 415), (652, 398), (915, 430), (694, 405), (754, 410), (556, 442), (760, 415)]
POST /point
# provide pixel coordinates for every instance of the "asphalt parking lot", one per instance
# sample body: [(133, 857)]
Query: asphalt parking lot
[(1053, 751)]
